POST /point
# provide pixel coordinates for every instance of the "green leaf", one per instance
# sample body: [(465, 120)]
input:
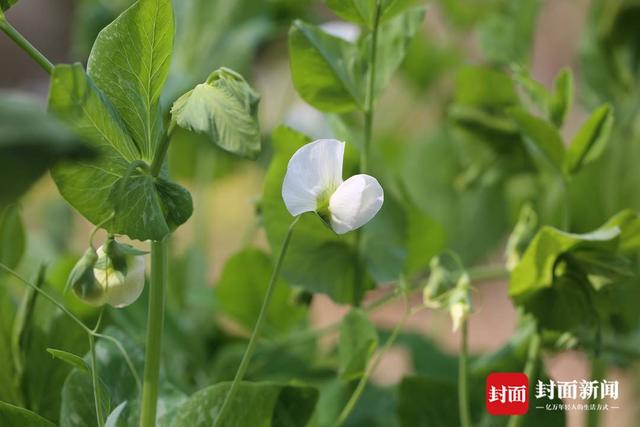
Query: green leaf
[(12, 236), (14, 416), (146, 207), (129, 62), (591, 139), (30, 143), (317, 260), (69, 358), (47, 327), (241, 290), (542, 135), (394, 38), (225, 108), (364, 11), (478, 86), (536, 269), (562, 99), (506, 35), (271, 405), (326, 70), (358, 342), (5, 5)]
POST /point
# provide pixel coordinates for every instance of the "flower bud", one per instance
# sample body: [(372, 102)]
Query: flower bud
[(460, 302), (83, 281), (119, 271), (443, 277)]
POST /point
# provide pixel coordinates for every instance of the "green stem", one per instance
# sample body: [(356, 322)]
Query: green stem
[(25, 45), (597, 373), (97, 395), (161, 152), (155, 326), (488, 273), (246, 359), (351, 404), (366, 144), (533, 354), (463, 388)]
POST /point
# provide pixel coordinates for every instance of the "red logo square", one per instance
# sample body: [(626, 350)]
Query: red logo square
[(507, 393)]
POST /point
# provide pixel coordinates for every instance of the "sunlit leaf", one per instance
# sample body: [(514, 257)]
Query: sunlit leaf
[(145, 207), (129, 62), (325, 69), (225, 108)]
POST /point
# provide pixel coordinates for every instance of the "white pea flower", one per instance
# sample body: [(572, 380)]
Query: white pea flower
[(313, 183), (344, 30), (122, 285)]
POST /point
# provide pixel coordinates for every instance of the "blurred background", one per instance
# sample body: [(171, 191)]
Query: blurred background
[(250, 36)]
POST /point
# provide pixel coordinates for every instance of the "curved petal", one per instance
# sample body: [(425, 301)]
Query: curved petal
[(314, 170), (355, 203)]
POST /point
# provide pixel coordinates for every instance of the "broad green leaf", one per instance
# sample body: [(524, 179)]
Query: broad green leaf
[(424, 402), (394, 38), (562, 99), (629, 223), (364, 11), (326, 70), (270, 405), (591, 139), (241, 290), (30, 143), (14, 416), (225, 108), (506, 35), (542, 135), (317, 260), (145, 207), (5, 5), (358, 342), (536, 269), (119, 385), (537, 93), (69, 358), (129, 62), (484, 87), (12, 236)]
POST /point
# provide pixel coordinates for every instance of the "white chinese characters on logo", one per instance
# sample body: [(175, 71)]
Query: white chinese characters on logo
[(573, 390), (509, 394)]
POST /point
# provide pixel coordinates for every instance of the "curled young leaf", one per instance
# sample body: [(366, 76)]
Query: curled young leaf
[(225, 109)]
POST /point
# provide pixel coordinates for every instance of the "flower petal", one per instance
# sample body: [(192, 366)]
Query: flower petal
[(355, 203), (315, 169)]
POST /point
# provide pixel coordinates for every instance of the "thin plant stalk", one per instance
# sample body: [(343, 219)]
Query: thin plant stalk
[(25, 45), (155, 326), (368, 136), (97, 394), (251, 347), (353, 400), (463, 376), (533, 354)]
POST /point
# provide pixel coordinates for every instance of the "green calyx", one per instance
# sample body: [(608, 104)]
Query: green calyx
[(118, 254), (82, 278)]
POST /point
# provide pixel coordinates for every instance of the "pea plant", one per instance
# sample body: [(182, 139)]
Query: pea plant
[(427, 175)]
